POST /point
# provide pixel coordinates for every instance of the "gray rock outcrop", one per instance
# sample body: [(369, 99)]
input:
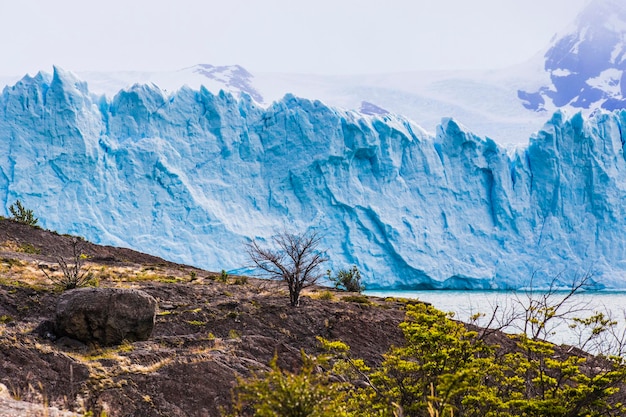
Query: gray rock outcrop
[(106, 316)]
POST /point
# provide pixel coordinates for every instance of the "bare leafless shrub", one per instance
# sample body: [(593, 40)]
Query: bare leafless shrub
[(74, 272)]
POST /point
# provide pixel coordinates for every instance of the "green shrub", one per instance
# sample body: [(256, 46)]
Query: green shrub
[(361, 299), (196, 322), (449, 369), (286, 394), (443, 369), (22, 215), (349, 280), (240, 280), (223, 277), (28, 248), (326, 295)]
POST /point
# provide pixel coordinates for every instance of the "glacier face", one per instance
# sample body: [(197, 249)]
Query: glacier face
[(191, 176)]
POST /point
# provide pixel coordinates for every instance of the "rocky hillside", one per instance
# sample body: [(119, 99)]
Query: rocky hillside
[(210, 329)]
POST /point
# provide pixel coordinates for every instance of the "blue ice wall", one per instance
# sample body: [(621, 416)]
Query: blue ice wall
[(192, 176)]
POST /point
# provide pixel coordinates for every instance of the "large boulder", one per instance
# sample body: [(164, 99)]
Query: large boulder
[(106, 316)]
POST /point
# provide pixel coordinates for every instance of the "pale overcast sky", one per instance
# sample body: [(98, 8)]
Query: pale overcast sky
[(319, 36)]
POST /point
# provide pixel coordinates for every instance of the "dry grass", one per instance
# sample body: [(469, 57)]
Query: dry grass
[(9, 246), (150, 368), (321, 295), (22, 273)]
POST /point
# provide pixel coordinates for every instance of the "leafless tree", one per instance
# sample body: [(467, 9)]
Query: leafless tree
[(294, 259), (543, 311), (540, 313)]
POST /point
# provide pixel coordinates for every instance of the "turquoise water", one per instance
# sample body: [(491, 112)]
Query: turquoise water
[(465, 304)]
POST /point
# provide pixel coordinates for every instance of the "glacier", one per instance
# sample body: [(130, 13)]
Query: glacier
[(192, 176)]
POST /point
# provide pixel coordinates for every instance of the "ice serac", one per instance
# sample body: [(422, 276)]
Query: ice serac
[(192, 175)]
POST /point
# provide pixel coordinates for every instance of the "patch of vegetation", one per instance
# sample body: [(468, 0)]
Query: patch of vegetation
[(28, 248), (75, 274), (91, 414), (361, 299), (348, 280), (170, 279), (10, 262), (444, 369), (4, 319), (240, 280), (126, 346), (324, 295), (22, 215), (150, 274), (223, 277), (402, 300), (21, 283), (282, 393), (196, 322)]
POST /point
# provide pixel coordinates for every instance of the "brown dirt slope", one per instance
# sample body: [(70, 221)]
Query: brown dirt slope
[(207, 332)]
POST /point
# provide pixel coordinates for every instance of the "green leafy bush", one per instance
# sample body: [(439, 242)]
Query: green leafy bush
[(22, 215), (240, 280), (223, 277), (326, 295), (28, 248), (360, 299), (349, 280), (286, 394), (444, 369)]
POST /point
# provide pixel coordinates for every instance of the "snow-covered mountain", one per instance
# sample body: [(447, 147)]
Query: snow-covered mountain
[(191, 176), (233, 79), (586, 63)]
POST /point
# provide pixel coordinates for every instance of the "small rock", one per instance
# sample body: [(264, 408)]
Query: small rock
[(4, 391), (69, 343), (106, 316), (46, 329)]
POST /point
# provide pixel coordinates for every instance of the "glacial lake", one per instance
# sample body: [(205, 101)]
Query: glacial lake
[(465, 304)]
